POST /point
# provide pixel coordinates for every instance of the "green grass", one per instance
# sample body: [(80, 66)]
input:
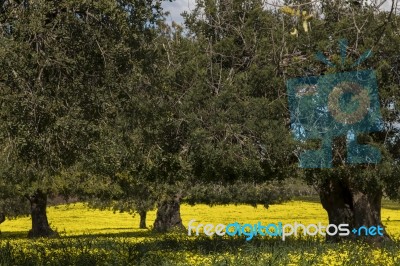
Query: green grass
[(77, 219), (94, 237)]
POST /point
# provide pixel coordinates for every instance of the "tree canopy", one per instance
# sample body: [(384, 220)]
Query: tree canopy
[(106, 101)]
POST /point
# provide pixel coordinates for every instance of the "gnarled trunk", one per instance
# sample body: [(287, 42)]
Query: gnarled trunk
[(169, 216), (347, 205), (40, 224), (142, 215)]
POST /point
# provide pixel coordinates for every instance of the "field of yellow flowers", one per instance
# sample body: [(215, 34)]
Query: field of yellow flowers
[(94, 237)]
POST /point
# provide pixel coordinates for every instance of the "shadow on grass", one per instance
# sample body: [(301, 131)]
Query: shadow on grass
[(152, 240), (386, 203), (389, 204), (158, 249), (4, 235), (13, 235), (312, 198), (135, 234)]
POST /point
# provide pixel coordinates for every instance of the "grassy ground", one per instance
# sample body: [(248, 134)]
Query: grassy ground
[(93, 237)]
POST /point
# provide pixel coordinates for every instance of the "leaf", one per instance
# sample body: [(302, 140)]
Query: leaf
[(288, 10), (305, 26), (307, 18)]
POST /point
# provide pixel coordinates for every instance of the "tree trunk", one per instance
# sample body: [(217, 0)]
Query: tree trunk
[(2, 217), (142, 215), (169, 216), (346, 205), (40, 225)]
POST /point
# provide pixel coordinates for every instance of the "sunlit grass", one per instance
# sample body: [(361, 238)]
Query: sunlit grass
[(78, 219), (94, 237)]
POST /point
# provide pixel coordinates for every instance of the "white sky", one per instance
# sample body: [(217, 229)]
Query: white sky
[(176, 8)]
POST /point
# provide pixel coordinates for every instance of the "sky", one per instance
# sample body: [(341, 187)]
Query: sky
[(178, 6)]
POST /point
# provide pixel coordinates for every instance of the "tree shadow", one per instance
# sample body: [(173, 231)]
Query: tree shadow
[(143, 233), (13, 235), (134, 234)]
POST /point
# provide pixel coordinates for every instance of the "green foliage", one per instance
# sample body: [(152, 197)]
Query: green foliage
[(238, 193), (364, 28), (104, 100), (63, 65), (238, 122)]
